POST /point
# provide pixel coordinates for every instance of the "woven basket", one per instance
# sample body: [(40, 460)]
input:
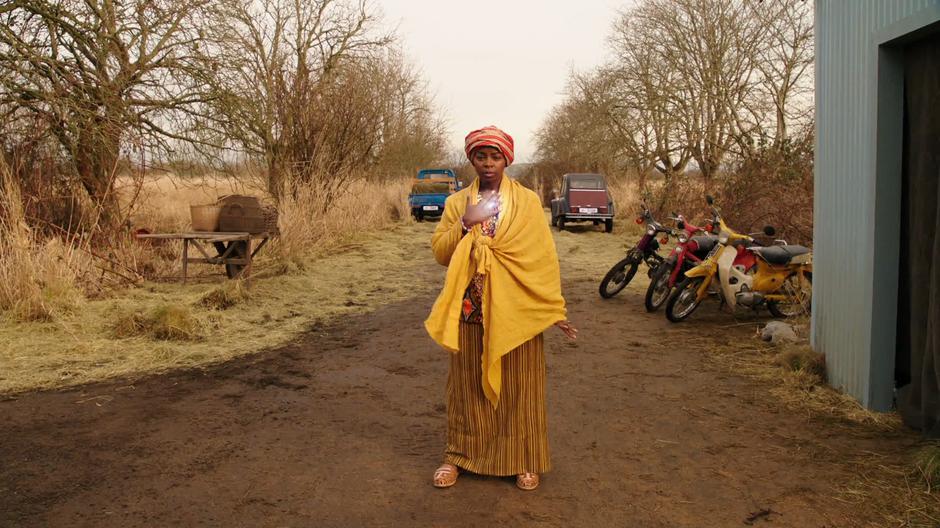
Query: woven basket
[(205, 217), (270, 219)]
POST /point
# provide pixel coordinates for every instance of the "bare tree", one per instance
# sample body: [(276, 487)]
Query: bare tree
[(645, 111), (711, 47), (576, 136), (725, 84), (412, 132), (287, 66), (785, 61), (696, 80), (96, 72)]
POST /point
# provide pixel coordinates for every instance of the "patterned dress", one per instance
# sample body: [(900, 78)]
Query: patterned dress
[(472, 311)]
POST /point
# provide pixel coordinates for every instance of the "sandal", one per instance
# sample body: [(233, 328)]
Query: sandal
[(527, 481), (446, 476)]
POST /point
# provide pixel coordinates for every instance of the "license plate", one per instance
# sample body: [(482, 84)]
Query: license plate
[(430, 208), (589, 210)]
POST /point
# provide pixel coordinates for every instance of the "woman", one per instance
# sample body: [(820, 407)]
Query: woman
[(503, 289)]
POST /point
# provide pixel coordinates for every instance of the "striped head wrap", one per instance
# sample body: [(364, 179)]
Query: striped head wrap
[(490, 137)]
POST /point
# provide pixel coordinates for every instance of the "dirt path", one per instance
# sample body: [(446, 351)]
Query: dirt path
[(345, 426)]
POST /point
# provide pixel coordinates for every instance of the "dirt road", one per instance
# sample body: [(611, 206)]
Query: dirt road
[(345, 426)]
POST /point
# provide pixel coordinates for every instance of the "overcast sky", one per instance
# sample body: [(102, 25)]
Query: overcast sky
[(503, 64)]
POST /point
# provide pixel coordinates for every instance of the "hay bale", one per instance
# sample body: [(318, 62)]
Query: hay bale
[(165, 323), (803, 359), (129, 325), (225, 296)]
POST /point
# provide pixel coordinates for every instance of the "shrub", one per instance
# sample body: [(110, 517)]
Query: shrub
[(164, 322), (38, 281)]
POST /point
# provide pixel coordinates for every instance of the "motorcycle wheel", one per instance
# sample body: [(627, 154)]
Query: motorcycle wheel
[(683, 300), (659, 289), (619, 276), (799, 294)]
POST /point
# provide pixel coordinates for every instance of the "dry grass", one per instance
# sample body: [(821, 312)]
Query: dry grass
[(309, 227), (626, 199), (927, 465), (37, 278), (163, 326), (892, 487), (226, 295), (163, 322)]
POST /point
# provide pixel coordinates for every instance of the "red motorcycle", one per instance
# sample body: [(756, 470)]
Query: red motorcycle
[(645, 251), (690, 251)]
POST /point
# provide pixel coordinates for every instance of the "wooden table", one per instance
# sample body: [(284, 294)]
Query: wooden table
[(234, 250)]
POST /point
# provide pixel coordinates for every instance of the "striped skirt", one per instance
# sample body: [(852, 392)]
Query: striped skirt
[(510, 439)]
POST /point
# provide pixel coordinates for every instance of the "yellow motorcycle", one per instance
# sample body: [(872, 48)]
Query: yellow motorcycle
[(748, 274)]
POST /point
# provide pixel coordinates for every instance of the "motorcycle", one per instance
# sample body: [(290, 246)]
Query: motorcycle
[(691, 249), (645, 251), (748, 274)]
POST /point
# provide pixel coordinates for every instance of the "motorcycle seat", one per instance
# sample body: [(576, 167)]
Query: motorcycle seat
[(705, 243), (781, 254)]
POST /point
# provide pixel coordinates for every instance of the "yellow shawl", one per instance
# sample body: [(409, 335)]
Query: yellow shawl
[(522, 288)]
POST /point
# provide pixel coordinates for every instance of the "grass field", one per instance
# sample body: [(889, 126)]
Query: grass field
[(70, 315)]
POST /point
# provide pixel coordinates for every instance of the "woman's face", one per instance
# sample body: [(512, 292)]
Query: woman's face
[(489, 163)]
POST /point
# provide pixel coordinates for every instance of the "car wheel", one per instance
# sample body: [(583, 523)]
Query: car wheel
[(561, 223), (608, 225)]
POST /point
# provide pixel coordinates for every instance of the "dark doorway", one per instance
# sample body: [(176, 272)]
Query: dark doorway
[(917, 364)]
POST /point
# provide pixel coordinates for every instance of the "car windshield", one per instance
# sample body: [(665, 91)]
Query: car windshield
[(430, 188), (586, 183)]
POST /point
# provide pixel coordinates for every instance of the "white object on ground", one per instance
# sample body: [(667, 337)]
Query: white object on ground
[(778, 332)]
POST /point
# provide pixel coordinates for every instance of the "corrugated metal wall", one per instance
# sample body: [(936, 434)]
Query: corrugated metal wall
[(847, 39)]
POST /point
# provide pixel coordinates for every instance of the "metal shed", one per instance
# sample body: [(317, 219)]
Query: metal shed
[(860, 120)]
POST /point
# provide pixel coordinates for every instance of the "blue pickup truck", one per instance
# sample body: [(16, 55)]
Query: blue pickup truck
[(429, 191)]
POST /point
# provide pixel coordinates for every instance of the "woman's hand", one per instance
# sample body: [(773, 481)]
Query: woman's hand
[(482, 211), (568, 329)]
